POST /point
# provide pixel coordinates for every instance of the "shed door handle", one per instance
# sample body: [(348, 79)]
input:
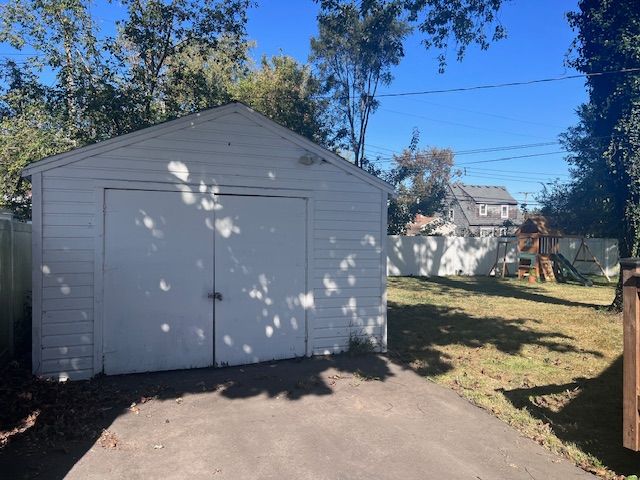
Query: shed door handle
[(215, 296)]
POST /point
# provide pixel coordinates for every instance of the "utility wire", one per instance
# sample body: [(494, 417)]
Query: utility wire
[(457, 124), (515, 171), (381, 160), (503, 159), (487, 114), (510, 84), (508, 147), (506, 176), (506, 179), (378, 148)]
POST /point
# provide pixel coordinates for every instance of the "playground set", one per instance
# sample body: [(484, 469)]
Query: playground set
[(539, 254)]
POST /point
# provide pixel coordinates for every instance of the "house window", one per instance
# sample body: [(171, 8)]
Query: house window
[(503, 231), (504, 211), (451, 215), (486, 232), (483, 209)]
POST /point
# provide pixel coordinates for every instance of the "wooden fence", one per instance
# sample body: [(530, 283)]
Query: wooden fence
[(631, 362), (15, 283)]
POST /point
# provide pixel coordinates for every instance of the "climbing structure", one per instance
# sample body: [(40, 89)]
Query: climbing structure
[(539, 253), (537, 241)]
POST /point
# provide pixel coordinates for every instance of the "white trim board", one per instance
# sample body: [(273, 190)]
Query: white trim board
[(36, 273), (197, 118)]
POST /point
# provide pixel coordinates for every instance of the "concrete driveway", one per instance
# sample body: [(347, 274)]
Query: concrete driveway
[(322, 418)]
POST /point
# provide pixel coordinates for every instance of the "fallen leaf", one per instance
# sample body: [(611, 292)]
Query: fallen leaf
[(108, 439)]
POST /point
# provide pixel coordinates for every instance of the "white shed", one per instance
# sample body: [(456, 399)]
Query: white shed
[(220, 238)]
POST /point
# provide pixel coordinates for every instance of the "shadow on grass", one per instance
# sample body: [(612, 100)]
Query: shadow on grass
[(497, 288), (416, 332), (586, 412), (47, 426)]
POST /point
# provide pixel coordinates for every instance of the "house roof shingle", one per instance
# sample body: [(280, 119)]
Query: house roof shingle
[(489, 194)]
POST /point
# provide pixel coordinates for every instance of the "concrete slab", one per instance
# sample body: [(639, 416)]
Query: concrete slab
[(322, 418)]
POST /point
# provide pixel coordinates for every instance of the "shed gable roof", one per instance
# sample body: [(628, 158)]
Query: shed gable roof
[(200, 117)]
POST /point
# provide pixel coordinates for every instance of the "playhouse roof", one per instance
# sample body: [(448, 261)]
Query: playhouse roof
[(538, 224)]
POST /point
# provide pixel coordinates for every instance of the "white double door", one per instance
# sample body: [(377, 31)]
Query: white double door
[(189, 281)]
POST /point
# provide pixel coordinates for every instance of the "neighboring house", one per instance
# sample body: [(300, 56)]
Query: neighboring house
[(482, 210), (418, 225), (221, 238), (435, 226)]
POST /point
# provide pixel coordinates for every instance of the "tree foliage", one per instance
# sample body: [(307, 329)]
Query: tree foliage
[(158, 38), (359, 42), (63, 35), (603, 196), (173, 57), (27, 131), (289, 93), (461, 22), (169, 58), (421, 177), (354, 51)]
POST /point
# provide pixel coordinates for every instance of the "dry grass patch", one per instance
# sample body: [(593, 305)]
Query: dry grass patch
[(545, 358)]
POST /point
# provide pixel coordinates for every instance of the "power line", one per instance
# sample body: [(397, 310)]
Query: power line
[(503, 159), (507, 178), (457, 124), (378, 148), (515, 171), (508, 147), (510, 84), (478, 112)]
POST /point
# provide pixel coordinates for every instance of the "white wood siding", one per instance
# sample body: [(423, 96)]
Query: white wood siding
[(231, 151)]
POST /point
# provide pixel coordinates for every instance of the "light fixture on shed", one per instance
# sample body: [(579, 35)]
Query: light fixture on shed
[(307, 159)]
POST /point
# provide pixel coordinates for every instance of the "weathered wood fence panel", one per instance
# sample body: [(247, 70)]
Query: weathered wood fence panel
[(444, 256), (15, 281), (631, 361)]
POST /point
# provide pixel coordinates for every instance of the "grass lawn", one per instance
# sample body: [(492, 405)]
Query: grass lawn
[(545, 358)]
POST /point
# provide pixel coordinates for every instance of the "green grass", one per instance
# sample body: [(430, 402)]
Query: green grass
[(545, 358)]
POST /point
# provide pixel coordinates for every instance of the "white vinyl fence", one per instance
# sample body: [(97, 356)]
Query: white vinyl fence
[(443, 256), (15, 282)]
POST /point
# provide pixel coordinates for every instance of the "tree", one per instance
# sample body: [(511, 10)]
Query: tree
[(169, 58), (463, 22), (27, 131), (355, 49), (603, 196), (158, 35), (288, 93), (359, 43), (198, 79), (63, 34), (421, 177)]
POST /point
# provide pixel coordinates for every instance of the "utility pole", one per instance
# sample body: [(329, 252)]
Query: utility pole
[(523, 205)]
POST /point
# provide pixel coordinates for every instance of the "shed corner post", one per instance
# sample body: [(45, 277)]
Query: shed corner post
[(384, 265), (36, 273), (631, 356)]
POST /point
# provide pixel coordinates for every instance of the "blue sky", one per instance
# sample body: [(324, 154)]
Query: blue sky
[(537, 44)]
